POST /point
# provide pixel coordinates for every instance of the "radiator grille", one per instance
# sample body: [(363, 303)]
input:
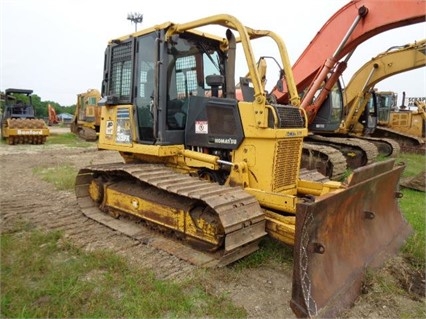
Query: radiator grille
[(286, 164), (289, 116)]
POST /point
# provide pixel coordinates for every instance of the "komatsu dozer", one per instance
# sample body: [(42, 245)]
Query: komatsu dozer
[(217, 174)]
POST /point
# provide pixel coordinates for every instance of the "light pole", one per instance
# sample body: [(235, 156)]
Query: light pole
[(136, 18)]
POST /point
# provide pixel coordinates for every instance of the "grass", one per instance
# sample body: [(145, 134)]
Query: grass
[(69, 139), (415, 163), (413, 204), (44, 276), (62, 176), (270, 251)]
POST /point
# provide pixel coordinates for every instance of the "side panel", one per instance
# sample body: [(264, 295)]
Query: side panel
[(213, 122), (116, 128)]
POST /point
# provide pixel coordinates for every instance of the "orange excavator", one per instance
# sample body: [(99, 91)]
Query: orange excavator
[(317, 72), (53, 117)]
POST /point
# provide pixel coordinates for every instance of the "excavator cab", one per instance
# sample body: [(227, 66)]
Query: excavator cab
[(368, 119), (331, 113), (386, 104)]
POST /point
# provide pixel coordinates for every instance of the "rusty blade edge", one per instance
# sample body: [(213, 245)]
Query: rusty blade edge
[(316, 291)]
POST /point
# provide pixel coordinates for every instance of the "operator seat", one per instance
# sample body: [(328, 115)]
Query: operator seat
[(176, 117)]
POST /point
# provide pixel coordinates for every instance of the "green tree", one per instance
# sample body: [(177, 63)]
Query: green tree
[(40, 107)]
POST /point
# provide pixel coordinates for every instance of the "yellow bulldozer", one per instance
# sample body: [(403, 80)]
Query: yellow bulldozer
[(19, 124), (218, 174), (87, 114)]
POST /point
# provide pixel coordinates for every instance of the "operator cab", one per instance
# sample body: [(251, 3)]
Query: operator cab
[(19, 104), (176, 86)]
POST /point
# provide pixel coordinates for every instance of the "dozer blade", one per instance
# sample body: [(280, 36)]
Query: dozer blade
[(339, 235)]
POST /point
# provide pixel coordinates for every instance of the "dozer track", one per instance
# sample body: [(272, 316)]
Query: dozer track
[(88, 134), (357, 152), (325, 159), (221, 224)]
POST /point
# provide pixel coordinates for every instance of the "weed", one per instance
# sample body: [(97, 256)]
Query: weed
[(68, 139), (44, 276), (62, 176)]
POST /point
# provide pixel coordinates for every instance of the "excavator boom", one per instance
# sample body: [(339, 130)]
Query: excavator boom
[(353, 24), (395, 60), (316, 76)]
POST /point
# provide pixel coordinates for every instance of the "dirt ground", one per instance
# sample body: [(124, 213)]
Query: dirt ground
[(264, 292)]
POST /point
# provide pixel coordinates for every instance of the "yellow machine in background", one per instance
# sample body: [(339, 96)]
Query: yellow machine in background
[(374, 113), (219, 174), (19, 124), (371, 115), (404, 125), (87, 114)]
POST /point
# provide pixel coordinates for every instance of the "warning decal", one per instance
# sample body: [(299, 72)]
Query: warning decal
[(201, 127)]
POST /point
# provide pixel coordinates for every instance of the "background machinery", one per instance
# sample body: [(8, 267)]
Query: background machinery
[(317, 72), (19, 124), (87, 114), (52, 116), (219, 174), (365, 110), (403, 125)]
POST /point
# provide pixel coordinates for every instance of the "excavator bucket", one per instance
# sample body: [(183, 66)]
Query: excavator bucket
[(339, 236)]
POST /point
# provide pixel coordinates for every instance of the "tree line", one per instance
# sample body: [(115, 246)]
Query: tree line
[(40, 107)]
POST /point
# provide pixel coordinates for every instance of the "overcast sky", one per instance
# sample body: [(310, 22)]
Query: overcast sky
[(56, 47)]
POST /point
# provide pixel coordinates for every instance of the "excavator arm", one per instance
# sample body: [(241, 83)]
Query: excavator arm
[(53, 118), (353, 24), (394, 61)]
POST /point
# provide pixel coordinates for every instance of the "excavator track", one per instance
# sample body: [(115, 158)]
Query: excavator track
[(357, 152), (221, 224), (407, 142), (325, 159), (386, 146)]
